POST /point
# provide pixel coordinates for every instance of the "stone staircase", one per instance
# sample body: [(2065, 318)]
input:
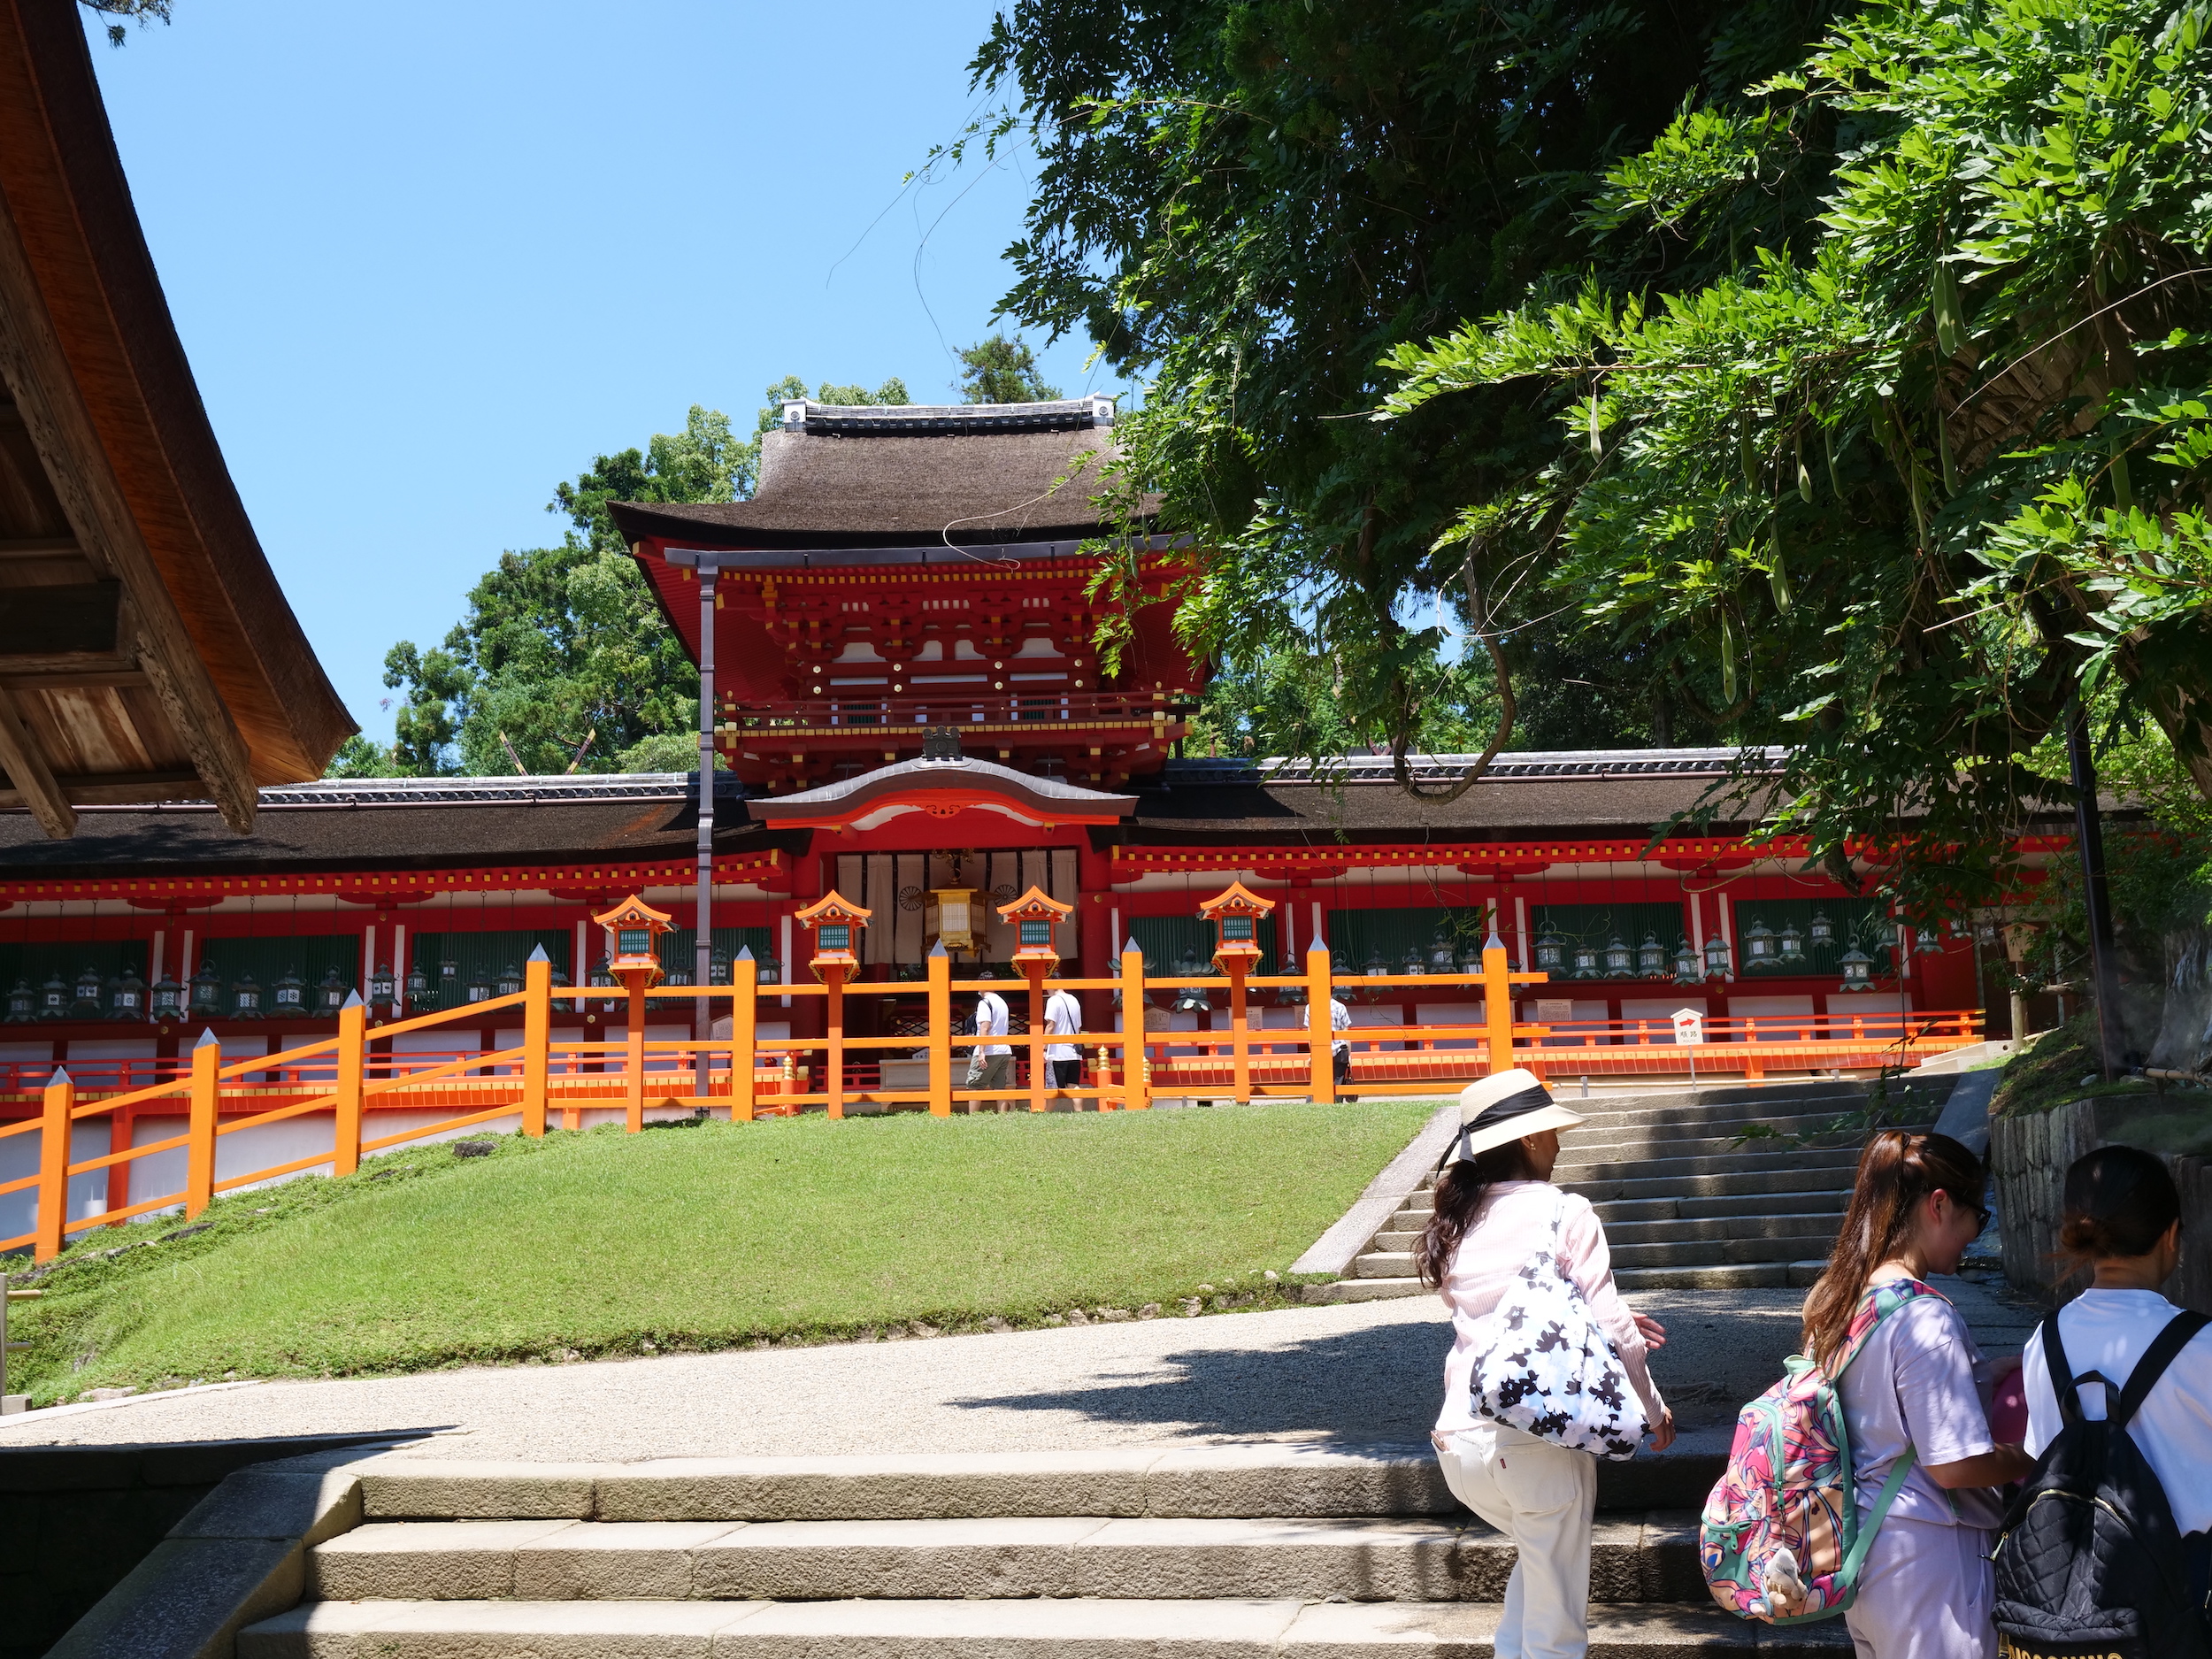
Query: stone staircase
[(1686, 1204), (1231, 1552)]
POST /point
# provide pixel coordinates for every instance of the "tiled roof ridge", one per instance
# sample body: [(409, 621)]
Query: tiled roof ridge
[(517, 789), (1518, 766), (1276, 769), (942, 419)]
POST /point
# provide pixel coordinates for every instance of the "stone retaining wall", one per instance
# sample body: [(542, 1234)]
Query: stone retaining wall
[(75, 1520), (2029, 1156)]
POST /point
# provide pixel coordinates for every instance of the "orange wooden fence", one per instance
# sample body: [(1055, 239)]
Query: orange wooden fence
[(749, 1075)]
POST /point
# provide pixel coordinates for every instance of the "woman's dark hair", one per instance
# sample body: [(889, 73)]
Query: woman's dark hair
[(2118, 1202), (1460, 1191), (1896, 1170)]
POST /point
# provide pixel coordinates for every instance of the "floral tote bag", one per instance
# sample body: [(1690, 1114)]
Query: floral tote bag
[(1543, 1366)]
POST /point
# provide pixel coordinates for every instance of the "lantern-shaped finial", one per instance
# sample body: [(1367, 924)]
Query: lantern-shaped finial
[(836, 922), (634, 930), (1235, 913), (1033, 916)]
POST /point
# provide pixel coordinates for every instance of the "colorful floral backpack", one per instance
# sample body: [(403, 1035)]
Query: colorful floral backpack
[(1780, 1538)]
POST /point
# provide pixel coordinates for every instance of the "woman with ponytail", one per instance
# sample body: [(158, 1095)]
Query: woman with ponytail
[(1494, 1207), (1915, 1387)]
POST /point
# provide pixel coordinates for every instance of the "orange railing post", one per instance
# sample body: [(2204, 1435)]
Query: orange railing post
[(633, 1059), (1241, 1049), (53, 1166), (199, 1146), (940, 1032), (833, 1034), (537, 1039), (1036, 1038), (744, 1014), (1497, 1003), (1136, 1083), (353, 1037), (1320, 1026)]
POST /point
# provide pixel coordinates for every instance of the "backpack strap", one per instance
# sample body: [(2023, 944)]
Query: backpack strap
[(2180, 1331), (1900, 1292), (1848, 1571), (2061, 1369)]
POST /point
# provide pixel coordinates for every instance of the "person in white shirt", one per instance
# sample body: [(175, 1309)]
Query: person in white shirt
[(990, 1064), (1340, 1049), (1064, 1017), (2121, 1217)]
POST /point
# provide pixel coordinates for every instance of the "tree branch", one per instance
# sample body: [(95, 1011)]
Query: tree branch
[(1399, 771)]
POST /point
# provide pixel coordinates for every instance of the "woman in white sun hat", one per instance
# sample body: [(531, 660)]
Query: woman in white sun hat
[(1497, 1218)]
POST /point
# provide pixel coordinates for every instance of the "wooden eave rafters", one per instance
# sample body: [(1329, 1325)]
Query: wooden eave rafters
[(146, 652)]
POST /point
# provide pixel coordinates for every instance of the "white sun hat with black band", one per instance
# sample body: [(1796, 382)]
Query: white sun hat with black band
[(1503, 1107)]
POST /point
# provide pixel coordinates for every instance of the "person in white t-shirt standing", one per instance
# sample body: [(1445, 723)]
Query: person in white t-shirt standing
[(2121, 1217), (990, 1064), (1340, 1047), (1064, 1017)]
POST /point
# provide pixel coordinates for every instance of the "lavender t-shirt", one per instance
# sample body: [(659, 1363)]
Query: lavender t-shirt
[(1917, 1381)]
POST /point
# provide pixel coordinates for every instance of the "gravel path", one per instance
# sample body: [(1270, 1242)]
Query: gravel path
[(1357, 1374)]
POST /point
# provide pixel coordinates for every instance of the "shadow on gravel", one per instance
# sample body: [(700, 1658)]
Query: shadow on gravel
[(1355, 1389)]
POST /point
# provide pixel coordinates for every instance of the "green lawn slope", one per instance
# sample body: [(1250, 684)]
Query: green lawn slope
[(701, 1236)]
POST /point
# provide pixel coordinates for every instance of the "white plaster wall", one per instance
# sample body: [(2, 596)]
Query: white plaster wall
[(1371, 1015), (1762, 1007), (1451, 1014)]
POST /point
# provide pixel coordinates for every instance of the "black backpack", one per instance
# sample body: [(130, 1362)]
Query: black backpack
[(2090, 1562)]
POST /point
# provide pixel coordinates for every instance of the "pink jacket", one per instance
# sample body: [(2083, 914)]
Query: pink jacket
[(1514, 1216)]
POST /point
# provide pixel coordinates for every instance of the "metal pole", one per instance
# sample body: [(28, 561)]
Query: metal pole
[(2097, 898), (702, 948)]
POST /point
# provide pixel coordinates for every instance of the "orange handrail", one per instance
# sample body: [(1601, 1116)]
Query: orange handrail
[(749, 1074)]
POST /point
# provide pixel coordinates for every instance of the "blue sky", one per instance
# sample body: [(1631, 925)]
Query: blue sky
[(428, 259)]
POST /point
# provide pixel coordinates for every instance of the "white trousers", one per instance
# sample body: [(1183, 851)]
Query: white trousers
[(1541, 1496), (1925, 1593)]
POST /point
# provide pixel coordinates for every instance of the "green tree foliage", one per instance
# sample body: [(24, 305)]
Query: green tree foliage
[(1922, 464), (144, 12), (1253, 201), (564, 661), (1002, 371)]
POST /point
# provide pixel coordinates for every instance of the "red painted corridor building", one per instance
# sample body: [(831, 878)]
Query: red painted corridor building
[(909, 701)]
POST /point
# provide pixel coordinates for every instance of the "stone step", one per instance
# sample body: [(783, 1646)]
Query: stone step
[(1747, 1160), (1265, 1478), (1077, 1628), (1704, 1206), (1666, 1220), (1344, 1290), (1718, 1252), (1704, 1140), (1700, 1127), (1633, 1558), (1384, 1265), (1272, 1479), (1793, 1227), (1739, 1276), (1733, 1181)]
